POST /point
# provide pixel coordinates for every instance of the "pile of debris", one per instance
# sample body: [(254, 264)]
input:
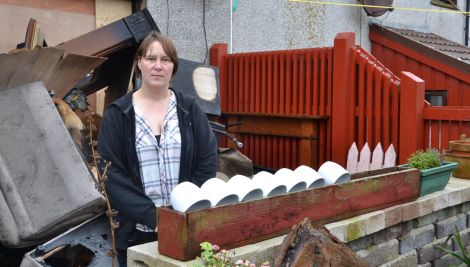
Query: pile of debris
[(47, 190)]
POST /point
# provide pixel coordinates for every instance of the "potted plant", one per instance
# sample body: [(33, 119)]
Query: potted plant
[(434, 173)]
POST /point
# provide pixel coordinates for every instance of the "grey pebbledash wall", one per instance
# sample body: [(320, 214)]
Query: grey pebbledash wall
[(265, 25)]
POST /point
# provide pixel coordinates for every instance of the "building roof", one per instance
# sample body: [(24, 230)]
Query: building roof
[(432, 45)]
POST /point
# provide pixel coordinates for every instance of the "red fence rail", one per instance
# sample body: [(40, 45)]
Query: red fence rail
[(443, 124)]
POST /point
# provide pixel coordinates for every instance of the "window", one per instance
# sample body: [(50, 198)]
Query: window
[(452, 4), (436, 97)]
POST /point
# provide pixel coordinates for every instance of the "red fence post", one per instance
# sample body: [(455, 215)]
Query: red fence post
[(411, 115), (340, 97), (217, 53)]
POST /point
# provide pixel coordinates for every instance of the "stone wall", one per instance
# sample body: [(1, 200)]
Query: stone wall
[(386, 238), (413, 242)]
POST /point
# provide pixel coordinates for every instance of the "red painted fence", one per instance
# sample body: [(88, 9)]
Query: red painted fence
[(307, 106), (373, 102), (292, 83), (442, 124)]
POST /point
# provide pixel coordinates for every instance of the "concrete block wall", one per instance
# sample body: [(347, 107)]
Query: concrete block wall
[(425, 223), (414, 242)]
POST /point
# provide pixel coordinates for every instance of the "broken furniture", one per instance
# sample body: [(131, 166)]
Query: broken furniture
[(118, 42), (45, 186), (200, 82), (87, 244), (59, 71)]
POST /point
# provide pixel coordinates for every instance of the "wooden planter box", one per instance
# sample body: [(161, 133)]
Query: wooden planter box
[(179, 234)]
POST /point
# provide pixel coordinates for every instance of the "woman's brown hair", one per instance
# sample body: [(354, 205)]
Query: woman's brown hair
[(168, 47)]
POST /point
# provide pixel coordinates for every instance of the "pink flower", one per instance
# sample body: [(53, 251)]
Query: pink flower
[(215, 247)]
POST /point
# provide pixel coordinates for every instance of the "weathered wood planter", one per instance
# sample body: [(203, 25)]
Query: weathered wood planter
[(179, 234)]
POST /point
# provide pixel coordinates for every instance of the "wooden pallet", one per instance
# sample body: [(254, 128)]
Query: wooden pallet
[(240, 224)]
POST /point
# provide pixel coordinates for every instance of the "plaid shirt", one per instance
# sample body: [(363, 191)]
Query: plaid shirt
[(159, 163)]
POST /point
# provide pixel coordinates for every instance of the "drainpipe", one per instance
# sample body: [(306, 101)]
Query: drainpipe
[(467, 9)]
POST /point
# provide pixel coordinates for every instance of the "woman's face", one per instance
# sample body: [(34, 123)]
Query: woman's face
[(156, 67)]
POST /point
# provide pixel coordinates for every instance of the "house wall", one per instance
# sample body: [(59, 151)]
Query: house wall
[(273, 25), (256, 25), (448, 25)]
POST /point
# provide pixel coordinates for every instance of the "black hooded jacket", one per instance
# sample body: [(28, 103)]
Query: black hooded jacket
[(116, 143)]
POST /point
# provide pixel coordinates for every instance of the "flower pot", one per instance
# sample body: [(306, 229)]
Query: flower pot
[(435, 179), (459, 151)]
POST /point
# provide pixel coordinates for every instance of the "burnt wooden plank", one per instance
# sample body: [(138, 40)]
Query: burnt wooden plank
[(275, 125)]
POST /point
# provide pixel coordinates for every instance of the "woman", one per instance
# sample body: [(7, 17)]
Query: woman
[(154, 138)]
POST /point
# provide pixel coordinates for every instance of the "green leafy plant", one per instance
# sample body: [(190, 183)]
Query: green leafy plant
[(213, 256), (462, 254), (423, 160)]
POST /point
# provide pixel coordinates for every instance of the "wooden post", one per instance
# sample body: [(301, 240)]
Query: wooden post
[(411, 115), (340, 124), (217, 53)]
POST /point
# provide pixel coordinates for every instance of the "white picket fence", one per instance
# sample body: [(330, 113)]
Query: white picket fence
[(363, 162)]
